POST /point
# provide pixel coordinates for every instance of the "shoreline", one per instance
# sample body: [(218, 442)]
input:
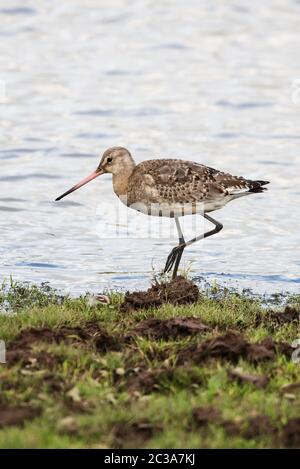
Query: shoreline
[(216, 373)]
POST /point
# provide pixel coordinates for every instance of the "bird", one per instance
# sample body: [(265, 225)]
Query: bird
[(172, 188)]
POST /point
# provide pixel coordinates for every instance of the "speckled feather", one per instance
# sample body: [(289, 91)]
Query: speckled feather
[(175, 181)]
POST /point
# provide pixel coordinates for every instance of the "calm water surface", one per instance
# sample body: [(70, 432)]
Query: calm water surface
[(214, 82)]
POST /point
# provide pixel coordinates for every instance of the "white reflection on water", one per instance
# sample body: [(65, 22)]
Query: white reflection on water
[(208, 81)]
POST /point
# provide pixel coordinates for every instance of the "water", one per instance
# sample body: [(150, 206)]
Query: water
[(214, 82)]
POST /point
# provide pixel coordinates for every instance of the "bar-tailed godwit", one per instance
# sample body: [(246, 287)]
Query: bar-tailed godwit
[(171, 188)]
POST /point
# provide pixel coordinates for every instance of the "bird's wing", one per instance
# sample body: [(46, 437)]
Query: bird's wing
[(180, 181)]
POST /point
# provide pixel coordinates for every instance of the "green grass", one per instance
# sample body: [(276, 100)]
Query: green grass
[(85, 396)]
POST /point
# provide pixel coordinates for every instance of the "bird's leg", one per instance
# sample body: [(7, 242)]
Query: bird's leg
[(175, 255)]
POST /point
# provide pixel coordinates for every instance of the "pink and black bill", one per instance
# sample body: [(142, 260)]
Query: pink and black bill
[(84, 181)]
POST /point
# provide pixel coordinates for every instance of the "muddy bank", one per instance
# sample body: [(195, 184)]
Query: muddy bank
[(179, 291)]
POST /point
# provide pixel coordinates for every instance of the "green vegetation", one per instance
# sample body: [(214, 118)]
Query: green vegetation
[(84, 377)]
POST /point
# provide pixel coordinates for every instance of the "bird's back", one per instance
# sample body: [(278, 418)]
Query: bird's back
[(176, 181)]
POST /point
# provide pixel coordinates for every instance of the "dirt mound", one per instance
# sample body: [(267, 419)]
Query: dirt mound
[(238, 375), (179, 291), (252, 427), (290, 314), (272, 319), (205, 415), (258, 426), (17, 415), (37, 360), (31, 335), (169, 328), (91, 334), (291, 433), (232, 346), (134, 433), (146, 381)]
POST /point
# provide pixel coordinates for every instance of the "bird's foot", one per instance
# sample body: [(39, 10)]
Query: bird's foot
[(172, 257)]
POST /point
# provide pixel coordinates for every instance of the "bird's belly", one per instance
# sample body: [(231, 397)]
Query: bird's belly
[(174, 209), (166, 209)]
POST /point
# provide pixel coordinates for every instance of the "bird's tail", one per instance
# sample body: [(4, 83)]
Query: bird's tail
[(257, 186)]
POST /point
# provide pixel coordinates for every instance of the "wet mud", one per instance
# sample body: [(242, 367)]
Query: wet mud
[(179, 291)]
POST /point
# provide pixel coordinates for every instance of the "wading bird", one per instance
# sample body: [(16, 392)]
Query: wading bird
[(171, 188)]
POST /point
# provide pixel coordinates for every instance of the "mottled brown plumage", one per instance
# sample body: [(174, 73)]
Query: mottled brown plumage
[(171, 188), (174, 181)]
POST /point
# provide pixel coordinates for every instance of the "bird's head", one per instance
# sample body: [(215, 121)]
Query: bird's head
[(115, 160)]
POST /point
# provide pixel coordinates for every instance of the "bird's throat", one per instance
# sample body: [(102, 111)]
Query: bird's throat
[(120, 182)]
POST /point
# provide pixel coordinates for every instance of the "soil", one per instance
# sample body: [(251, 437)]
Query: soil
[(145, 381), (229, 346), (17, 415), (33, 360), (205, 415), (290, 314), (258, 426), (131, 433), (232, 346), (169, 328), (91, 334), (179, 291), (291, 433), (259, 381), (252, 427), (291, 388)]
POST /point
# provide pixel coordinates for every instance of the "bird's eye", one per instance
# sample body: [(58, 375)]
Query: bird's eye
[(109, 160)]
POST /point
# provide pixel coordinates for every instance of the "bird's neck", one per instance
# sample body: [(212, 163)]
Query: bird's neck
[(121, 180)]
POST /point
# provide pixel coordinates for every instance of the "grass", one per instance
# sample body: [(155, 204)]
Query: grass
[(88, 397)]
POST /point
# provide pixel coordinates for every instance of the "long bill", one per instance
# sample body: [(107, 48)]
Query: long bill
[(84, 181)]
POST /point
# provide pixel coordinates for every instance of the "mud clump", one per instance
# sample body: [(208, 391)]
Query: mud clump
[(272, 319), (104, 342), (31, 335), (28, 359), (146, 381), (205, 415), (179, 291), (128, 434), (238, 375), (169, 328), (90, 335), (252, 427), (291, 388), (258, 426), (291, 433), (231, 346), (10, 416), (290, 314), (143, 381)]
